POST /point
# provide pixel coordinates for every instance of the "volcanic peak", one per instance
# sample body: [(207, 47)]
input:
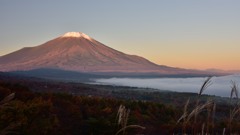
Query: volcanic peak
[(76, 35)]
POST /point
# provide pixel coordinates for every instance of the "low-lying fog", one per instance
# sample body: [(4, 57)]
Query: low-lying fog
[(221, 86)]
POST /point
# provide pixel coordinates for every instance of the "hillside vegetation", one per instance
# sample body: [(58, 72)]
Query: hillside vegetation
[(52, 113)]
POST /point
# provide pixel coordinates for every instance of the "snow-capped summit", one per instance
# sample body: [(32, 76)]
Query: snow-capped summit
[(76, 34)]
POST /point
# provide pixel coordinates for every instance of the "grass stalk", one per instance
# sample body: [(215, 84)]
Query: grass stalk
[(123, 116), (234, 107), (129, 126), (204, 86)]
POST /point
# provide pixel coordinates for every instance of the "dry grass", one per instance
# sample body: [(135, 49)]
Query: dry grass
[(130, 126), (11, 126), (122, 117), (213, 116), (224, 130), (203, 128), (7, 99), (198, 109), (185, 113), (186, 117), (205, 85), (234, 91), (234, 107)]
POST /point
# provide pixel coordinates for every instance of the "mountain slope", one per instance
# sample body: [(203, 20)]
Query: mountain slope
[(75, 51)]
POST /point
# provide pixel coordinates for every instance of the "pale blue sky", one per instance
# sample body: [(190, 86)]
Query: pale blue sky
[(182, 33)]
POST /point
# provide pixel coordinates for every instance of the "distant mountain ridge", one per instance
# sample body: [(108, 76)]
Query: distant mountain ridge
[(76, 51)]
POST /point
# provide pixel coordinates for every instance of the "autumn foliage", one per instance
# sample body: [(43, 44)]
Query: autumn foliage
[(54, 113)]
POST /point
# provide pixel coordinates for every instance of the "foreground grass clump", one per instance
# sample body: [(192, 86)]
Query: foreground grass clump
[(123, 115), (187, 116), (191, 124)]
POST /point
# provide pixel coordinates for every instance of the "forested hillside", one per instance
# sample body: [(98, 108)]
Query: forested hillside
[(29, 112)]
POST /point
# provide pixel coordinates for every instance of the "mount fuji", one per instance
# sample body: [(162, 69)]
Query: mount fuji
[(78, 52)]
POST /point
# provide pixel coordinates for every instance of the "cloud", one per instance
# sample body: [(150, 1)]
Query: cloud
[(221, 86)]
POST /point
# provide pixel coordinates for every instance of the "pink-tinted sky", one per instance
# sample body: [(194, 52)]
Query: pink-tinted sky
[(180, 33)]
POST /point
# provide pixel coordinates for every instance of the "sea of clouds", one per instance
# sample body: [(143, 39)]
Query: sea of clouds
[(221, 86)]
